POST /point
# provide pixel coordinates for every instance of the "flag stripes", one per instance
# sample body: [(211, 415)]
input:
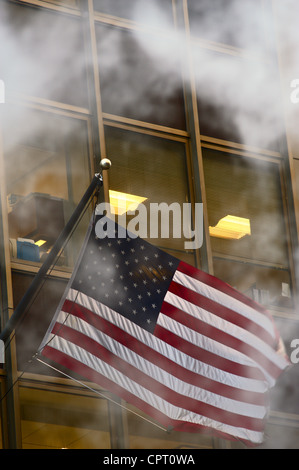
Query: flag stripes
[(184, 347), (189, 423), (103, 339), (177, 393), (173, 366), (227, 296), (221, 331)]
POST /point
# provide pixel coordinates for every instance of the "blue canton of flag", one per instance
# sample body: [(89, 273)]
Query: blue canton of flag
[(128, 275)]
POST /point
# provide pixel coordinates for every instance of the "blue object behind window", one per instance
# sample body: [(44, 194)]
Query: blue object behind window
[(28, 251)]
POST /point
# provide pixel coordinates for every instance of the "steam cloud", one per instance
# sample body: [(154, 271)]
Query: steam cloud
[(42, 55)]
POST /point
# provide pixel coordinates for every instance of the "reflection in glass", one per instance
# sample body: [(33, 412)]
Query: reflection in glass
[(45, 58), (255, 261), (239, 24), (59, 420), (139, 76), (154, 169), (236, 99), (47, 172), (156, 13)]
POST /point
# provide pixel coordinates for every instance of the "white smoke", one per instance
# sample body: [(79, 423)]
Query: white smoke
[(43, 56)]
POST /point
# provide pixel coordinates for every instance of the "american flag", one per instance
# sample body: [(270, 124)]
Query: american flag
[(179, 344)]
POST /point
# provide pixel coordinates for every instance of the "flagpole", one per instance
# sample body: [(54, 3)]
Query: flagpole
[(20, 310)]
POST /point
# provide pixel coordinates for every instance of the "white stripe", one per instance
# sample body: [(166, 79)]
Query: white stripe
[(147, 396), (229, 328), (225, 300), (160, 375), (167, 350), (211, 345)]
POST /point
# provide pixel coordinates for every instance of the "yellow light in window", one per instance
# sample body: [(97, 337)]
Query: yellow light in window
[(231, 227), (40, 242), (121, 201)]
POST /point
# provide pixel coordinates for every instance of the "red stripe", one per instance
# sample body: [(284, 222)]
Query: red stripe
[(169, 395), (213, 281), (215, 333), (173, 368), (206, 356), (90, 374), (221, 311)]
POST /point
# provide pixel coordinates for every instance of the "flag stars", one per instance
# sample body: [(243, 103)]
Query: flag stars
[(129, 279)]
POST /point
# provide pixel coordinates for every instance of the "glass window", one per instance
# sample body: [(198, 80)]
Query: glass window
[(151, 12), (281, 436), (36, 318), (247, 229), (154, 169), (42, 54), (62, 420), (2, 423), (144, 435), (139, 77), (47, 172), (69, 3), (237, 99), (239, 24)]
